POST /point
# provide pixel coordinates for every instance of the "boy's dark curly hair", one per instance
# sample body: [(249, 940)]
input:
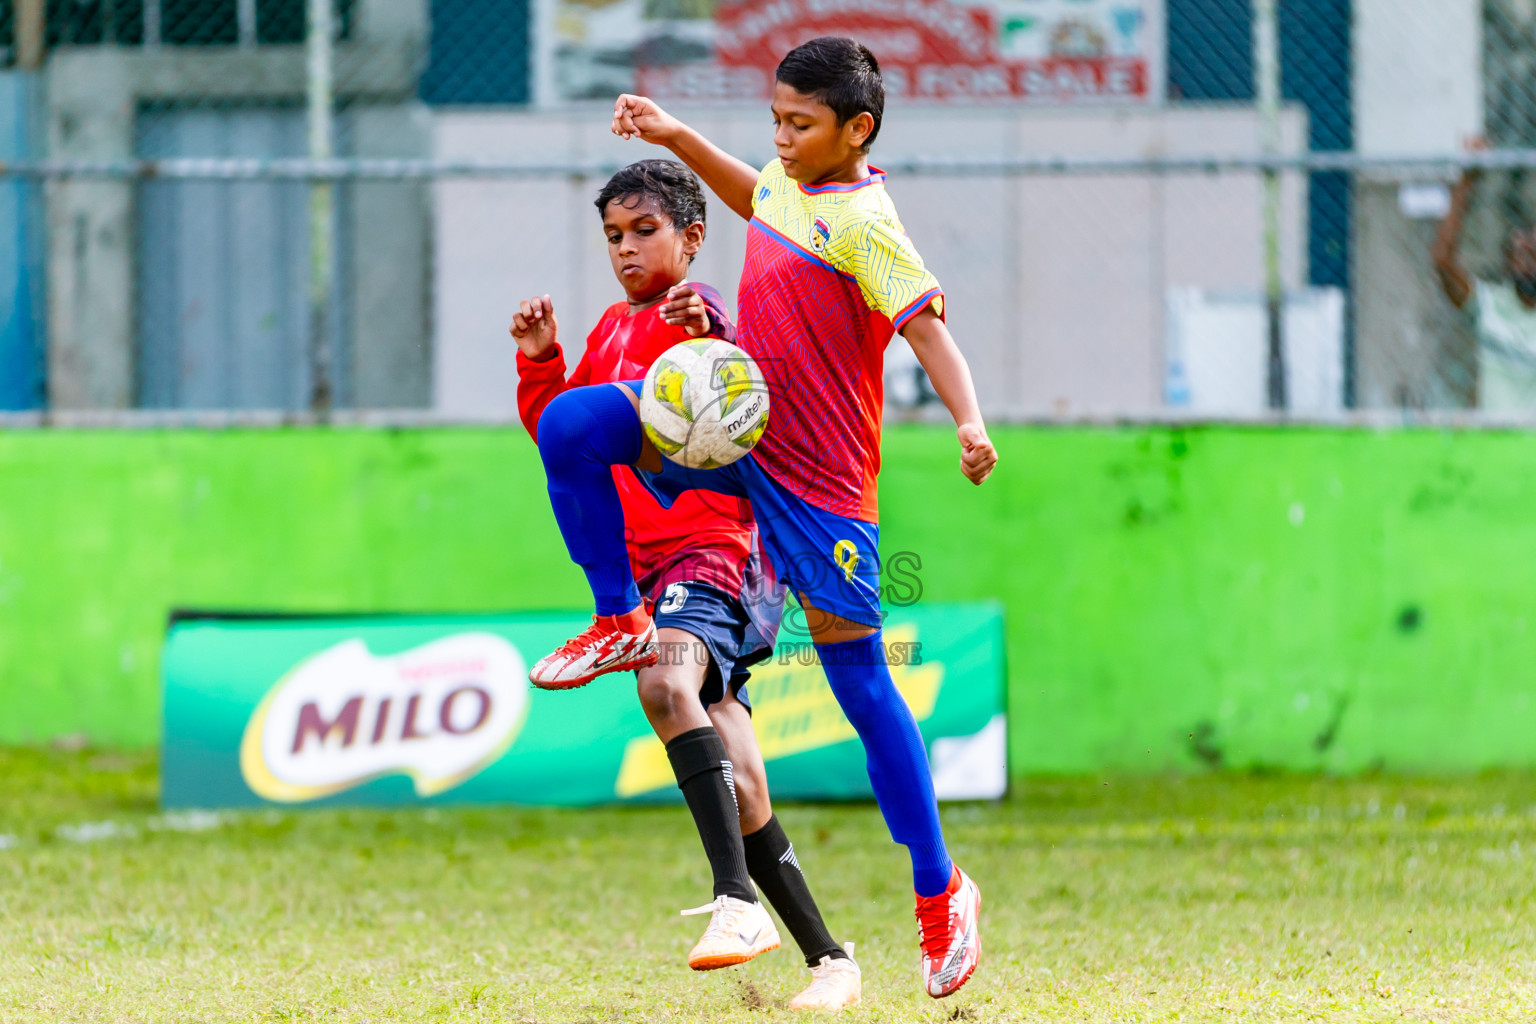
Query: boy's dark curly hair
[(673, 187)]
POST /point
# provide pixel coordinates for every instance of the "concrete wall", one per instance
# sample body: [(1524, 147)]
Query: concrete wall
[(1418, 91), (94, 97), (391, 239), (90, 116), (1056, 284), (1174, 599), (1418, 75)]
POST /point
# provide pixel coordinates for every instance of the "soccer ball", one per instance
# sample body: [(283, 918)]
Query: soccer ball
[(704, 403)]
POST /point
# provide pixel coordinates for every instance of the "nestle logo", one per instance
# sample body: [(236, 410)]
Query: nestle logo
[(438, 713)]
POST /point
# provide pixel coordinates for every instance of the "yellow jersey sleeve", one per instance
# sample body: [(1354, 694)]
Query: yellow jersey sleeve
[(766, 179), (872, 248)]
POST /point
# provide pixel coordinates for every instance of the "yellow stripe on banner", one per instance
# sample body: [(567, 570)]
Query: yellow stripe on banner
[(793, 711), (645, 767)]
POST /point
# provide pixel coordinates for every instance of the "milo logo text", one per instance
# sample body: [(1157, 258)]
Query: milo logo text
[(438, 713)]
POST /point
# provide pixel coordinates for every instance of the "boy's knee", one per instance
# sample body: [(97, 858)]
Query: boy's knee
[(872, 685), (595, 423), (868, 697), (665, 689), (563, 425)]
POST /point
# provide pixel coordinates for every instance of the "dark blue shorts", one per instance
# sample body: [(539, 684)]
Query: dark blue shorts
[(832, 561), (723, 625)]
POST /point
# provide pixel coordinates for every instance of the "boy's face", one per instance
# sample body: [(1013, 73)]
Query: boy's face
[(812, 146), (648, 253)]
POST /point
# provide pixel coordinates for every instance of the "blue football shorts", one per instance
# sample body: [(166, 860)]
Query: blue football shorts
[(722, 624)]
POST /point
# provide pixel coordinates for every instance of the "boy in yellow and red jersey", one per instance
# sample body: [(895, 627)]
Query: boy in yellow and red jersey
[(829, 277)]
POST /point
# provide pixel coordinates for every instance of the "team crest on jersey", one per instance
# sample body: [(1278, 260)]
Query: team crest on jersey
[(821, 233)]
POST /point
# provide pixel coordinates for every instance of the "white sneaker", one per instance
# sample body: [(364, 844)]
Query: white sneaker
[(737, 932), (836, 984)]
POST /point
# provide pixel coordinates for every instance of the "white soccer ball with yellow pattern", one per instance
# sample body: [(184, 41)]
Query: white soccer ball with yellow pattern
[(704, 403)]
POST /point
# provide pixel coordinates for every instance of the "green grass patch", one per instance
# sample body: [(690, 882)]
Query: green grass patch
[(1214, 898)]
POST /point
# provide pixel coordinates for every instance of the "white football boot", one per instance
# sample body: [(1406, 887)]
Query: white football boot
[(737, 932), (836, 984)]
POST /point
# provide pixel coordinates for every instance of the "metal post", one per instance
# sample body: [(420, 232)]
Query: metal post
[(31, 34), (151, 24), (1266, 76), (245, 22), (322, 267)]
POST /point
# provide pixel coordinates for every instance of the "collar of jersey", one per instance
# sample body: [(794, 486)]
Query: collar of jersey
[(875, 175)]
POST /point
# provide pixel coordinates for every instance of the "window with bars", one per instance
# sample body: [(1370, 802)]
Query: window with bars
[(171, 22)]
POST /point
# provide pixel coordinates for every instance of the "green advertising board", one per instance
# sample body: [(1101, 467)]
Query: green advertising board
[(402, 710)]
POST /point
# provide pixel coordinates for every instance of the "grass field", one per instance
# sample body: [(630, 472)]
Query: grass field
[(1211, 898)]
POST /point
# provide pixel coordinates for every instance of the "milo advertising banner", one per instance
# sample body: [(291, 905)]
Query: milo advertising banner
[(405, 710)]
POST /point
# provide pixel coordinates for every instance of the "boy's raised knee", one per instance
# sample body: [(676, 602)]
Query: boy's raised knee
[(564, 424), (597, 423)]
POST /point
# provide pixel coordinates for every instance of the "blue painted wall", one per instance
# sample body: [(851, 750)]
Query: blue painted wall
[(481, 53), (21, 305)]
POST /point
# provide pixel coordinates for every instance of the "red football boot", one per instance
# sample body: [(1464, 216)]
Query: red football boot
[(951, 942), (613, 643)]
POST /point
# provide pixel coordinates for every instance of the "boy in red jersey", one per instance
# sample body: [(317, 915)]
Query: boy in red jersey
[(716, 613), (829, 276)]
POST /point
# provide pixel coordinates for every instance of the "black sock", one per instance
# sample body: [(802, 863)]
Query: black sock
[(771, 859), (704, 775)]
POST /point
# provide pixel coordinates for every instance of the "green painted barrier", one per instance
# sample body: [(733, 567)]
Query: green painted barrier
[(439, 709), (1306, 599)]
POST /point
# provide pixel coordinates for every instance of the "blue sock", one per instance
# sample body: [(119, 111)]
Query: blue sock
[(894, 753), (582, 433)]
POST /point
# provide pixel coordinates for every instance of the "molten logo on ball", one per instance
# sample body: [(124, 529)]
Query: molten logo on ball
[(439, 713)]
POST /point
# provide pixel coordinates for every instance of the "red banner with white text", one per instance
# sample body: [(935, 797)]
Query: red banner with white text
[(1035, 51)]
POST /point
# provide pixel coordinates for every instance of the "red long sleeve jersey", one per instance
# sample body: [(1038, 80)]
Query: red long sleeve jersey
[(705, 538)]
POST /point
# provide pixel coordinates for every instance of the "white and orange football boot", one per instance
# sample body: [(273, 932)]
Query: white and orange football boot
[(947, 924), (613, 643), (836, 984), (737, 932)]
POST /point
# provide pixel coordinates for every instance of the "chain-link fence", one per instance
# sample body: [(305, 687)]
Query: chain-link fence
[(1139, 208)]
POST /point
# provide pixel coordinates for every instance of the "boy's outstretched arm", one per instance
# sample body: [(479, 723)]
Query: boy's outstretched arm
[(935, 348), (727, 177)]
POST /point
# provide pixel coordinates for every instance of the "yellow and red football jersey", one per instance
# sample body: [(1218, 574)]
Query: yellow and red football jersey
[(830, 275)]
